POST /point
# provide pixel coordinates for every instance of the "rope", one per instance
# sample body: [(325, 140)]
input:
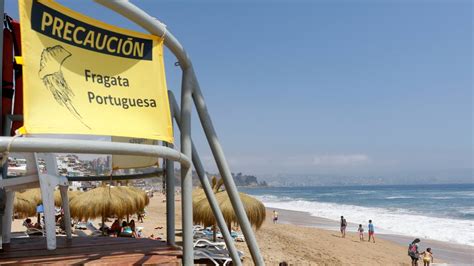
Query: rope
[(7, 151)]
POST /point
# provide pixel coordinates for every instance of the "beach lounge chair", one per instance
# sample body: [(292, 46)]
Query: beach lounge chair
[(217, 257), (203, 243), (94, 231), (238, 237), (216, 250), (202, 255), (19, 235), (31, 231), (81, 226)]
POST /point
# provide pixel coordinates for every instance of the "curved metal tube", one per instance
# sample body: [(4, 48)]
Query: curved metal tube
[(150, 24), (158, 173), (155, 27), (90, 147)]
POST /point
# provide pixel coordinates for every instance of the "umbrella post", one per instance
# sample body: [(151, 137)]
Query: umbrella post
[(214, 230), (103, 224)]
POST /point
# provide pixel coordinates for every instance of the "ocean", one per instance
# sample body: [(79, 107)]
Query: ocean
[(438, 212)]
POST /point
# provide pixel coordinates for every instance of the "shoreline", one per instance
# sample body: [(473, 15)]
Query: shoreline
[(445, 251)]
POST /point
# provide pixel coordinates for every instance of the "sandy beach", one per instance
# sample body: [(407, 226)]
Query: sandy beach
[(299, 245), (301, 222), (290, 240)]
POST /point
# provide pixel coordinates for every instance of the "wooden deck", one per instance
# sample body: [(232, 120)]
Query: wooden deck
[(90, 250)]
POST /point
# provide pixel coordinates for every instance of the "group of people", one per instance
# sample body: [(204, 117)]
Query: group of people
[(360, 230), (123, 230), (415, 255)]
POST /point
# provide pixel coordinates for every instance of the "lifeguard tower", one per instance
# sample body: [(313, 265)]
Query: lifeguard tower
[(51, 36)]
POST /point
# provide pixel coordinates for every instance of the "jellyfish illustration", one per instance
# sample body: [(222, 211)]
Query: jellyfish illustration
[(50, 72)]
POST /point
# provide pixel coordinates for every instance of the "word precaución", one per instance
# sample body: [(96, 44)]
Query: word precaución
[(61, 27)]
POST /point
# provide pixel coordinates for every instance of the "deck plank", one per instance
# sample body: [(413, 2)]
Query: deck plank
[(91, 251)]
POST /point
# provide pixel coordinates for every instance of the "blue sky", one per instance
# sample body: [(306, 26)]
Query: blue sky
[(337, 87)]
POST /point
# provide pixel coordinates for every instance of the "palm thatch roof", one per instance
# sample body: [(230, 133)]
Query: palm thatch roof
[(23, 207), (34, 196), (143, 198), (107, 201), (70, 196), (202, 212), (198, 194)]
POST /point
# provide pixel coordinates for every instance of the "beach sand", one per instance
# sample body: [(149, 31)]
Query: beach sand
[(294, 243), (299, 245), (454, 254)]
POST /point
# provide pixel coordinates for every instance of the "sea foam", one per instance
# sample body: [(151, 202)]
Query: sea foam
[(387, 221)]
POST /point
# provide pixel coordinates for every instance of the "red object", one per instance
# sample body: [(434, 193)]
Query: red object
[(18, 101), (7, 74), (12, 83)]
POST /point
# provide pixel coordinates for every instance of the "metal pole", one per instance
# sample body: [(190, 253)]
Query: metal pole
[(67, 213), (207, 189), (224, 170), (157, 173), (186, 174), (152, 25), (2, 191), (7, 217), (155, 27), (90, 147), (170, 196), (170, 208), (170, 193)]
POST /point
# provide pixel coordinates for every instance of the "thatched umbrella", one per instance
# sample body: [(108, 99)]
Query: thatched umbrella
[(26, 202), (198, 194), (23, 207), (142, 197), (202, 212), (70, 195), (33, 195), (106, 201)]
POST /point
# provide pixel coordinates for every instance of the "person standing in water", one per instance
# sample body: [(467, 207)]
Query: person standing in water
[(427, 257), (371, 231), (343, 227)]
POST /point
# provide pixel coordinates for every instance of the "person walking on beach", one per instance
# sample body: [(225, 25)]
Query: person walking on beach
[(413, 252), (371, 231), (343, 227), (361, 232), (275, 216), (427, 257)]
